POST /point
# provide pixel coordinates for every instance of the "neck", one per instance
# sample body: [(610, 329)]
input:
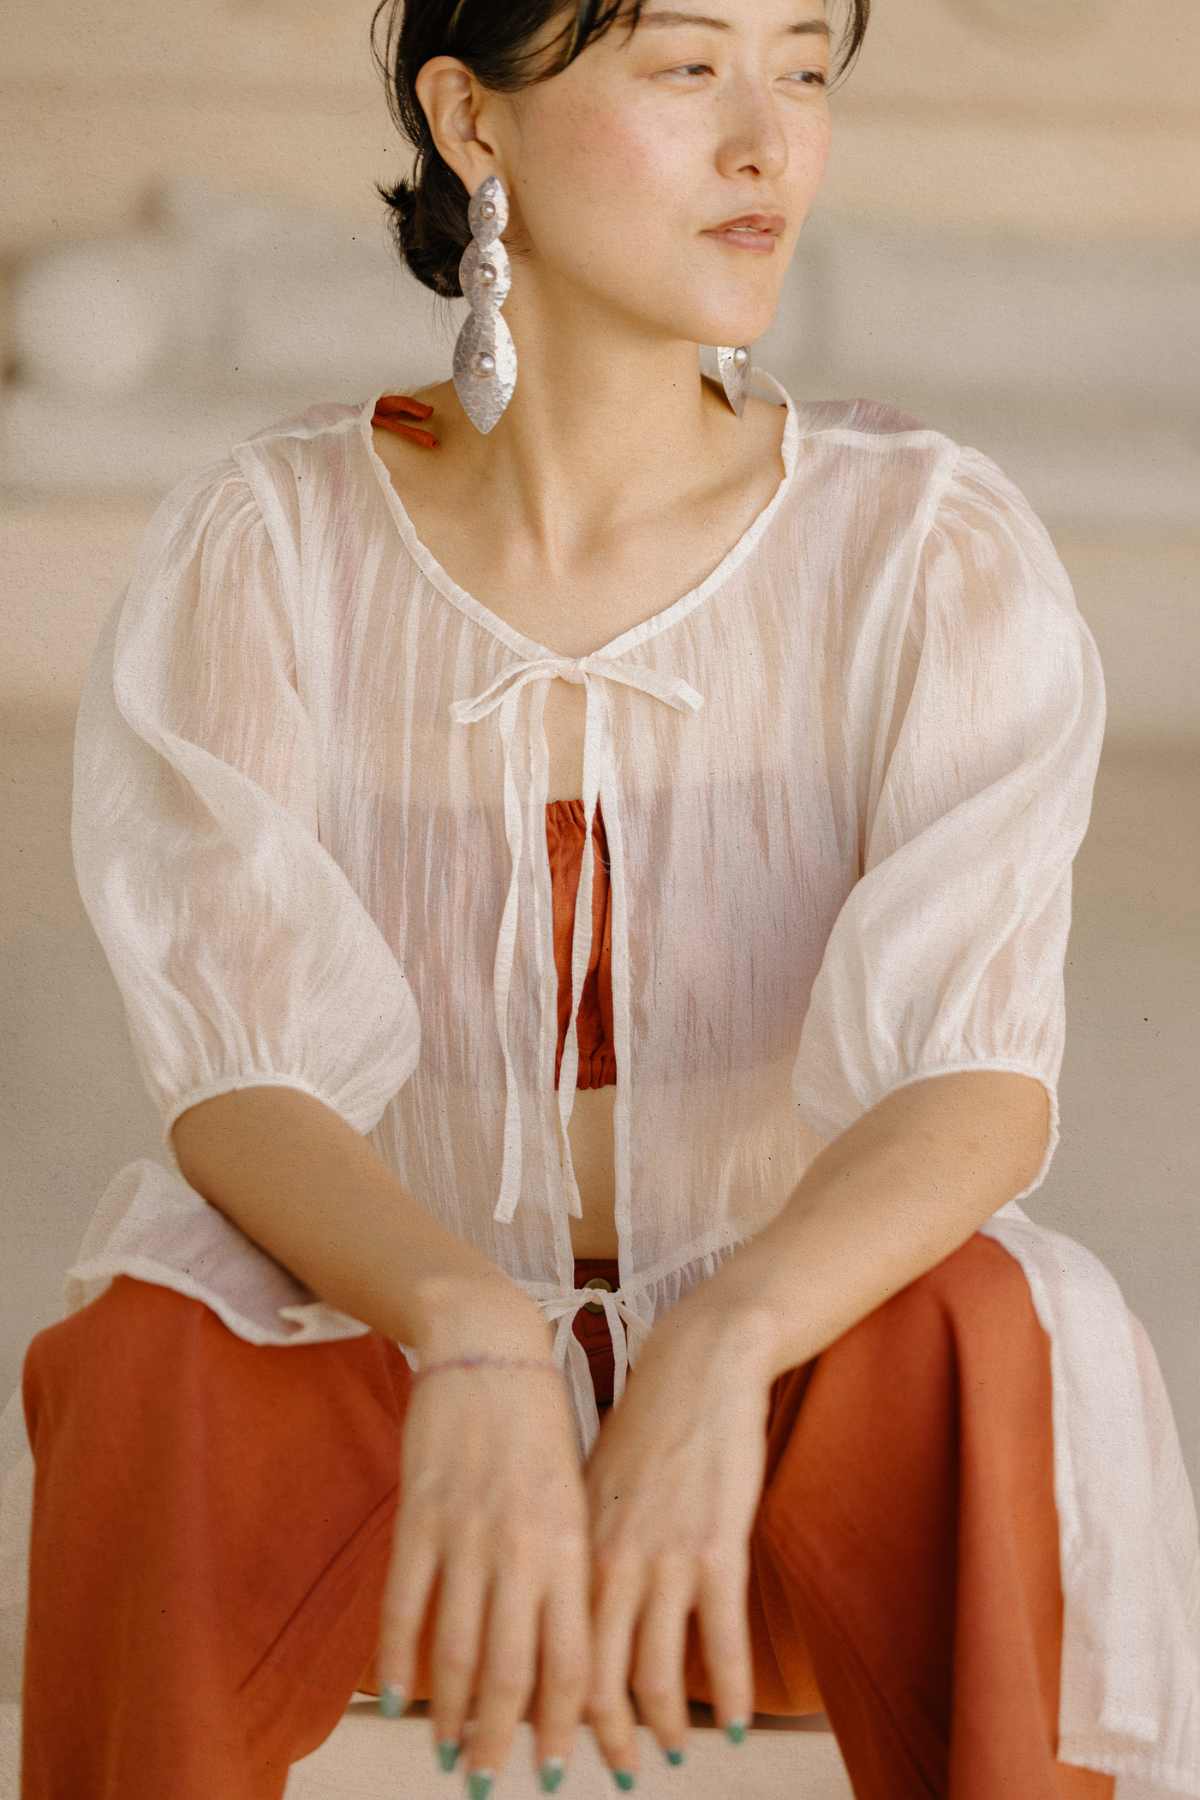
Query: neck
[(604, 432)]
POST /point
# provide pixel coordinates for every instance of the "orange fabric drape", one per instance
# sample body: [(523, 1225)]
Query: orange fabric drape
[(393, 410), (212, 1528)]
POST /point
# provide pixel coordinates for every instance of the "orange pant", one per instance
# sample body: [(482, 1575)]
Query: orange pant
[(212, 1526)]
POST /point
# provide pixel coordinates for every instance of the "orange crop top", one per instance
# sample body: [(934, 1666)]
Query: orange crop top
[(564, 843)]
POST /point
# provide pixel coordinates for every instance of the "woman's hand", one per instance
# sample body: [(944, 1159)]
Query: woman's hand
[(673, 1485), (492, 1501)]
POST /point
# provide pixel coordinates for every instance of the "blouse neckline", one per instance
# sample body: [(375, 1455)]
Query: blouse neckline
[(667, 616)]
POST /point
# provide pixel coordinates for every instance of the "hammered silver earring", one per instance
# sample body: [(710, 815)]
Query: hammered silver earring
[(733, 364), (485, 357)]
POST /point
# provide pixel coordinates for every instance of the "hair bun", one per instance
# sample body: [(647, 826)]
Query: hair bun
[(428, 221)]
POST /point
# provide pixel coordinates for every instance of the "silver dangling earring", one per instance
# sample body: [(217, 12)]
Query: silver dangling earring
[(485, 357), (734, 365)]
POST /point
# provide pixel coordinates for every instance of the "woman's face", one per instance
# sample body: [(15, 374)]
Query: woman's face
[(617, 167)]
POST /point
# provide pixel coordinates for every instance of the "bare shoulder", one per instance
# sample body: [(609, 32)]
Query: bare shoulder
[(418, 469)]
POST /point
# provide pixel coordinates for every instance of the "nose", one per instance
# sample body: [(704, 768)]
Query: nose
[(757, 137)]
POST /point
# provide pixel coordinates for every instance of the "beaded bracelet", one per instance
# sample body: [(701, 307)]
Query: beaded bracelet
[(472, 1362)]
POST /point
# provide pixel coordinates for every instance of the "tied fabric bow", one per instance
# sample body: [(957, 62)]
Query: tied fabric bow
[(570, 1354), (503, 694)]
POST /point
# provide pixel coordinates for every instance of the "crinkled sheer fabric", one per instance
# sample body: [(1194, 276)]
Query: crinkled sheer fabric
[(842, 780), (949, 951), (242, 953)]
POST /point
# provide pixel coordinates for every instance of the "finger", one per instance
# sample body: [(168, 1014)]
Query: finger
[(506, 1675), (412, 1570), (457, 1634), (662, 1640), (619, 1582), (722, 1604), (566, 1659)]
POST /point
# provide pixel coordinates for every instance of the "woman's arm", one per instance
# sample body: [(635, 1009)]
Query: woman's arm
[(888, 1199), (300, 1181)]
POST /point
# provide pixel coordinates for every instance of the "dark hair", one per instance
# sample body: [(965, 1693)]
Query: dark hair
[(428, 214)]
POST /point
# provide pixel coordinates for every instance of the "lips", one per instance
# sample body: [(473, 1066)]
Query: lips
[(771, 224)]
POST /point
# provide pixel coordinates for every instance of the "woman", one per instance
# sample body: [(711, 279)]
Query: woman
[(811, 785)]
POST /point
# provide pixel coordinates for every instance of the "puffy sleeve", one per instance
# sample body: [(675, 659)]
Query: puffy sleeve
[(242, 953), (948, 953)]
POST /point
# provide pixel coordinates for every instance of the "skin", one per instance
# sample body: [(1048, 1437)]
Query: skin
[(614, 169)]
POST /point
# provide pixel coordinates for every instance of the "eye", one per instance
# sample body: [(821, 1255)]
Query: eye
[(811, 75)]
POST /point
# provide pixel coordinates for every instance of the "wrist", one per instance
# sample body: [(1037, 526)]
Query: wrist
[(723, 1310), (478, 1316)]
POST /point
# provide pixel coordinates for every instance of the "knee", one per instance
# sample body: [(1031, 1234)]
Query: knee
[(978, 1286), (84, 1351)]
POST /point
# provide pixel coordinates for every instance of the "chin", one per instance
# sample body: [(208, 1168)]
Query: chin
[(734, 324), (732, 330)]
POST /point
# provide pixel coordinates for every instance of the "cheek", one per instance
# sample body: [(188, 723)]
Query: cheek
[(816, 142), (607, 159)]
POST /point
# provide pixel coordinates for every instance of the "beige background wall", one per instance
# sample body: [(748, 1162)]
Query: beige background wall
[(1008, 244), (1080, 118)]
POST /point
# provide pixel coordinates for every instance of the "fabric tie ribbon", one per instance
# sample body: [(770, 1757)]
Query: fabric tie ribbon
[(503, 694), (570, 1354)]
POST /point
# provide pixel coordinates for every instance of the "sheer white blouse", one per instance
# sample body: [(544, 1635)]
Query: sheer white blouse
[(843, 781)]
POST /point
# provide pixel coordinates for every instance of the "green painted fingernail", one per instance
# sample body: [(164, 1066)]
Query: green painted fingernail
[(392, 1701), (735, 1731), (550, 1774), (623, 1779), (448, 1753), (674, 1757), (479, 1784)]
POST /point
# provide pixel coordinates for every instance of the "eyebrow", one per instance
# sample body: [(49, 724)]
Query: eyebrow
[(684, 18)]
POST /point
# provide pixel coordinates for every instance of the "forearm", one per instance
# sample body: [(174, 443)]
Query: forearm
[(307, 1187), (890, 1198)]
